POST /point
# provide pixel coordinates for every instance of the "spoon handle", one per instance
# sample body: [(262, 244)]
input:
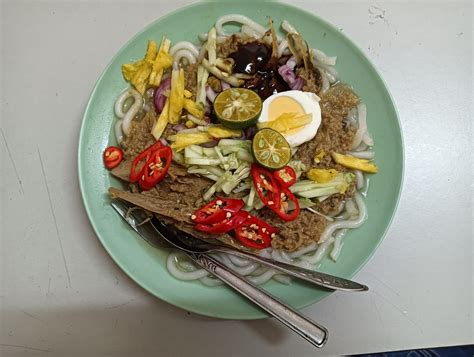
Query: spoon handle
[(311, 276), (303, 326)]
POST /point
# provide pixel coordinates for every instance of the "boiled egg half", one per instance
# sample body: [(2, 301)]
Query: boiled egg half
[(298, 102)]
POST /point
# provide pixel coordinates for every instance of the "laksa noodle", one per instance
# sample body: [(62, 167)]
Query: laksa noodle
[(248, 139)]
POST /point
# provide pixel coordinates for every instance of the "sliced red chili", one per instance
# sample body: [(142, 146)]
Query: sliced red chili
[(283, 211), (224, 226), (155, 168), (255, 233), (266, 186), (140, 160), (286, 176), (113, 156), (216, 210)]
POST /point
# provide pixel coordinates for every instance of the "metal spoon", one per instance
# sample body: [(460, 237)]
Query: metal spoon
[(191, 244), (303, 326)]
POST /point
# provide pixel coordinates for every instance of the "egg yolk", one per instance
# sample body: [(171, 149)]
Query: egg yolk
[(285, 104)]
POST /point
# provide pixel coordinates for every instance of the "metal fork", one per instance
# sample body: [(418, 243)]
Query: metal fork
[(302, 325)]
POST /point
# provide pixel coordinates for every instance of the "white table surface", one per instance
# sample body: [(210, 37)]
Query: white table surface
[(62, 295)]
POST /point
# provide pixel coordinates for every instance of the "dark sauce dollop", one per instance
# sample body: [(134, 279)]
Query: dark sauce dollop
[(266, 83), (253, 59)]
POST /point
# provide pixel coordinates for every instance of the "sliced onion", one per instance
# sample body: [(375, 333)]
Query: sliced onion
[(362, 119), (210, 144), (291, 62), (210, 94), (287, 74), (160, 98), (297, 84), (183, 53), (184, 45), (225, 85), (248, 133), (179, 127)]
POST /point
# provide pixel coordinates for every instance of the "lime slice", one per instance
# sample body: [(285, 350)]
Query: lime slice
[(237, 108), (271, 149)]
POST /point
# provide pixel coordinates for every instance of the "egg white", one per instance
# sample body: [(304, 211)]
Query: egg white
[(310, 103)]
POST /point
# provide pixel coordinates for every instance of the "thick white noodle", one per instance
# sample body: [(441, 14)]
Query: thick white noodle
[(282, 47), (362, 147), (241, 262), (118, 131), (351, 209), (351, 117), (359, 179), (362, 119), (303, 264), (320, 253), (246, 270), (208, 281), (298, 253), (266, 253), (355, 223), (259, 271), (367, 139), (263, 278), (286, 26), (321, 58), (203, 38), (173, 268), (122, 98), (241, 19), (184, 45), (202, 52), (249, 32), (337, 246), (276, 255), (368, 155), (325, 80), (184, 53), (331, 73), (338, 211), (282, 279), (127, 117)]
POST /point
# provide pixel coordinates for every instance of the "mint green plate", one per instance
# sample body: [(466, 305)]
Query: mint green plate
[(146, 265)]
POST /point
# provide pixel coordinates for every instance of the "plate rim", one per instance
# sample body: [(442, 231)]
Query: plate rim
[(94, 224)]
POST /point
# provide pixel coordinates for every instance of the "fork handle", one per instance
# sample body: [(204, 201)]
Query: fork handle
[(314, 277), (303, 326)]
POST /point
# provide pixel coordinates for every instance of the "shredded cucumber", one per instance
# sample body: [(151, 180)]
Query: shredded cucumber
[(228, 164), (312, 189), (201, 161)]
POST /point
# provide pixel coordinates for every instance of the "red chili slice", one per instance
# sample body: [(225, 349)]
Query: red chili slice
[(155, 168), (255, 233), (139, 162), (113, 156), (224, 226), (266, 187), (216, 210), (283, 211), (286, 176)]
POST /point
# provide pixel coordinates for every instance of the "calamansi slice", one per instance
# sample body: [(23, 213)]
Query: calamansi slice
[(271, 149), (238, 108)]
